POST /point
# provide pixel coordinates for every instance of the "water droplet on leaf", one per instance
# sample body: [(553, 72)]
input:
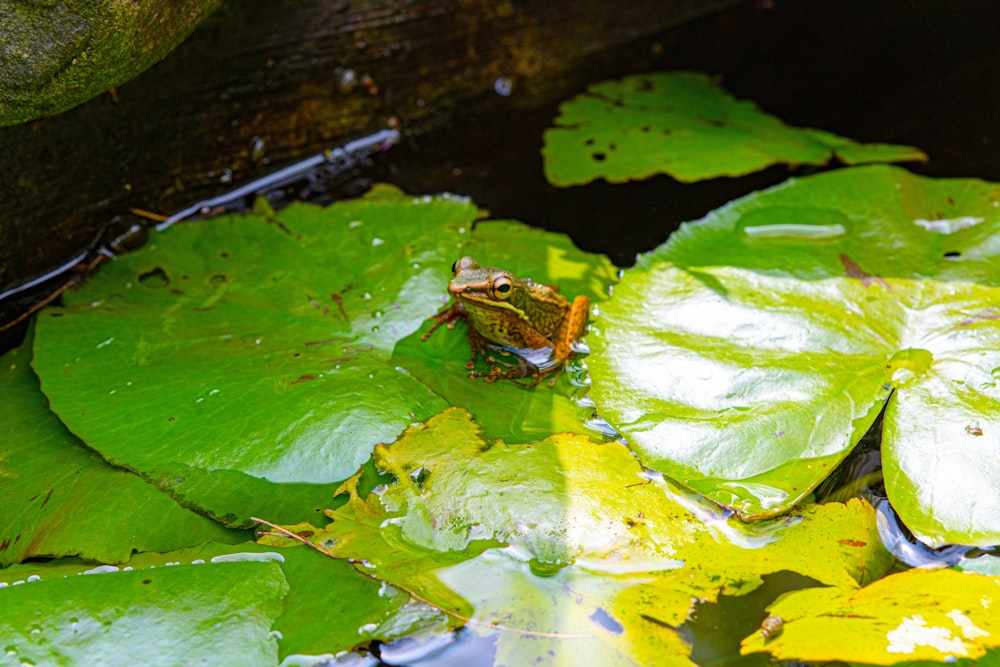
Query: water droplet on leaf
[(793, 223), (544, 569), (907, 365)]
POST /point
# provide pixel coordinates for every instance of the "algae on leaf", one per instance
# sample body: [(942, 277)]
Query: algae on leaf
[(684, 125), (746, 356), (938, 616), (57, 498), (565, 549)]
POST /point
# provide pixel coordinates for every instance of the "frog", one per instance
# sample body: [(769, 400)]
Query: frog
[(515, 316)]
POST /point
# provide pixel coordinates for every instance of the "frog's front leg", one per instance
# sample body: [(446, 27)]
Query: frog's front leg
[(478, 345), (448, 315)]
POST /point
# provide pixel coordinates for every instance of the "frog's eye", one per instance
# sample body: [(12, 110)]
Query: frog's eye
[(502, 287)]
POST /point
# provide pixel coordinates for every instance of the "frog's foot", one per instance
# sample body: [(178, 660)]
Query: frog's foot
[(553, 375), (449, 316), (521, 369)]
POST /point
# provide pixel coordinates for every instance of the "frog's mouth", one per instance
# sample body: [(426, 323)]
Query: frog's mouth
[(484, 300), (480, 296), (476, 293)]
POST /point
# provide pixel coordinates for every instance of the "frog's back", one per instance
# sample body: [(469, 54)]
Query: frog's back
[(544, 307)]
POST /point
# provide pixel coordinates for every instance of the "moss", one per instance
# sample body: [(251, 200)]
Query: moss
[(55, 55)]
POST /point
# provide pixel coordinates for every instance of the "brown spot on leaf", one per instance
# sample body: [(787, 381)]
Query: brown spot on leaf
[(981, 316), (852, 543), (340, 304), (854, 271)]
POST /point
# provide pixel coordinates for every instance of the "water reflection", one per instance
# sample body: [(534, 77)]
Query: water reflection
[(906, 548), (720, 520)]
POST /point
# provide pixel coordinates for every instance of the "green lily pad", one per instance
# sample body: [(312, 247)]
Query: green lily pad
[(565, 549), (246, 363), (348, 610), (938, 616), (181, 615), (58, 498), (747, 355), (683, 124)]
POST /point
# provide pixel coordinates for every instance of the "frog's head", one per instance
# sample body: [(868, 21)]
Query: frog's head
[(476, 285)]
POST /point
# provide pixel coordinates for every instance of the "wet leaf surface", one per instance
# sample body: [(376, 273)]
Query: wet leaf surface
[(747, 355), (186, 614), (937, 616), (58, 498), (347, 610), (564, 550), (685, 125), (246, 363)]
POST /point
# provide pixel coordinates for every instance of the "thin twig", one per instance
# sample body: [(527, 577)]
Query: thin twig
[(52, 297)]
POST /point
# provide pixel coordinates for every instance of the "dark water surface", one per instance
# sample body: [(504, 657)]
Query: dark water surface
[(922, 74)]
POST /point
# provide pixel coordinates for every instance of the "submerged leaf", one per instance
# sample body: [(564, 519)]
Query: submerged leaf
[(747, 355), (564, 545), (58, 498), (683, 124), (246, 363), (938, 616)]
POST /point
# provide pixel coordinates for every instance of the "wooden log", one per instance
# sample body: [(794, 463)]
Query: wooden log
[(264, 83)]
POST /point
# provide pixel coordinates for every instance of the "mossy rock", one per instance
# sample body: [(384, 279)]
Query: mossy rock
[(56, 54)]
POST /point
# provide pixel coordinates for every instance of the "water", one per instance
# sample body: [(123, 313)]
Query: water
[(790, 60)]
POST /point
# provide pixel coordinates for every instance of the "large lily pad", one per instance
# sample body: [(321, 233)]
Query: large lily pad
[(245, 363), (58, 498), (683, 124), (346, 611), (181, 615), (937, 616), (747, 355), (565, 549)]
